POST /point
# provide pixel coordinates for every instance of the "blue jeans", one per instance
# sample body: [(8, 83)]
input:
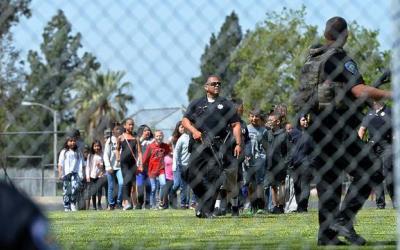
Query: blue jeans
[(143, 189), (111, 180), (182, 185), (161, 179)]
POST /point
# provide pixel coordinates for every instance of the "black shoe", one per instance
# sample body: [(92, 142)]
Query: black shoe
[(138, 207), (348, 233), (331, 242), (277, 210), (380, 207), (235, 211), (219, 212), (199, 214), (163, 207), (302, 210)]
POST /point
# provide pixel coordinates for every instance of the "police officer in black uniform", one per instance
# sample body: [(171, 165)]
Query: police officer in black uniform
[(23, 225), (209, 119), (232, 169), (338, 148), (378, 122)]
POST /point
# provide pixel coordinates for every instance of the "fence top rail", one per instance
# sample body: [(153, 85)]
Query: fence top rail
[(24, 156), (31, 132)]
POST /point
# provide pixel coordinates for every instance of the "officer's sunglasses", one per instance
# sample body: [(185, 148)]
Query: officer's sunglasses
[(214, 84)]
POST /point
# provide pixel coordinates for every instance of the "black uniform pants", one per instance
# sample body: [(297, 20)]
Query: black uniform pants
[(302, 177), (203, 174), (340, 151), (384, 152)]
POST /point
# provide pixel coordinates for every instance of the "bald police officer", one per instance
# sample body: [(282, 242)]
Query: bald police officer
[(209, 120)]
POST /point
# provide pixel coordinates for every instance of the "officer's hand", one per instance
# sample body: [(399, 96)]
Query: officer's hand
[(237, 151), (197, 135)]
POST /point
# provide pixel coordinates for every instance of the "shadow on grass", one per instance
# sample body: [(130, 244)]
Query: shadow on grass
[(383, 243)]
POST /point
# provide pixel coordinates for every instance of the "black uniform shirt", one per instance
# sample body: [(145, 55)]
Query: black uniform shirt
[(212, 118), (378, 125), (342, 69)]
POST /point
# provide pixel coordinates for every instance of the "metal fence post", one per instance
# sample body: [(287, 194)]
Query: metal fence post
[(396, 100), (42, 179)]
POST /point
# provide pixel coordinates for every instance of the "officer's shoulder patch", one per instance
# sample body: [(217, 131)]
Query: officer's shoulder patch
[(351, 67)]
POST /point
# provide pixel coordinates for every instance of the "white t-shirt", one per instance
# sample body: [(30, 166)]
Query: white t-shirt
[(95, 166), (71, 162)]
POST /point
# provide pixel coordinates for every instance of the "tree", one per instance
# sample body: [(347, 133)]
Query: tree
[(10, 12), (52, 75), (101, 99), (363, 46), (11, 82), (11, 68), (53, 71), (216, 58), (11, 95), (269, 62)]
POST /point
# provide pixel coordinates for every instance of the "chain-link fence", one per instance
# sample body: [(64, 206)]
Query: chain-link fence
[(305, 132)]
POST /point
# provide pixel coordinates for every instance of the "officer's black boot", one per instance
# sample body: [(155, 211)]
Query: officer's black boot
[(221, 209), (235, 206), (347, 231)]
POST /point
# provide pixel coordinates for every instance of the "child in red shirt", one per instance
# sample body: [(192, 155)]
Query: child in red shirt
[(153, 160)]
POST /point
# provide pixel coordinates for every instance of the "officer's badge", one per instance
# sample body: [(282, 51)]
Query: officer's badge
[(351, 66), (220, 106)]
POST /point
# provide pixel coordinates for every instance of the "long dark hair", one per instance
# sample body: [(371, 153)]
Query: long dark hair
[(176, 134), (65, 146), (141, 129), (92, 147)]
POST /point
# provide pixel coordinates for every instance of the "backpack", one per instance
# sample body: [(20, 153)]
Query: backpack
[(316, 93)]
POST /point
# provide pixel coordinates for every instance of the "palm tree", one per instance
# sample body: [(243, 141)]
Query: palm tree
[(101, 99)]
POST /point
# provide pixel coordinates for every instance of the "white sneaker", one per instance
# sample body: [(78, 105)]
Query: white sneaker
[(67, 210), (73, 208), (128, 207)]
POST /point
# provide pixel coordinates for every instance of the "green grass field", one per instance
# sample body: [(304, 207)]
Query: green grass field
[(179, 229)]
